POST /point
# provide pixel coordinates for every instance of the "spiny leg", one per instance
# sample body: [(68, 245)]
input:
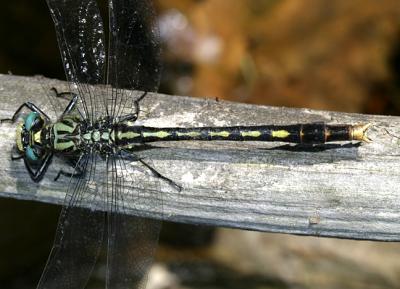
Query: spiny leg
[(63, 94), (137, 101), (133, 116), (37, 175), (77, 174), (67, 94), (128, 117), (16, 157), (79, 171), (158, 175), (137, 104), (129, 155), (71, 105), (28, 105)]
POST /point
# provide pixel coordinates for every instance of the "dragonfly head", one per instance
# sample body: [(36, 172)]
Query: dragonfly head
[(28, 137)]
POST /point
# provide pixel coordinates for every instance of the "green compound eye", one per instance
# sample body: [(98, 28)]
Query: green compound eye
[(30, 154), (30, 120)]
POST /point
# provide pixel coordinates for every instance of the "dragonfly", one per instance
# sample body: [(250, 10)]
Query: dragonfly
[(98, 136)]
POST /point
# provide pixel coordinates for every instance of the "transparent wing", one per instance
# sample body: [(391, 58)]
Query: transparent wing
[(132, 240), (133, 63), (79, 233), (80, 36), (134, 51)]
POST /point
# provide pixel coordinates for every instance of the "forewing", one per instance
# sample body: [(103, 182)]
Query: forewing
[(79, 233), (133, 63), (134, 51), (80, 36), (134, 54)]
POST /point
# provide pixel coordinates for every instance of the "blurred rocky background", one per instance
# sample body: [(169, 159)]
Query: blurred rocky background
[(333, 55)]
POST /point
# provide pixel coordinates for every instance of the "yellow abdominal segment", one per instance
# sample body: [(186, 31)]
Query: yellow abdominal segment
[(157, 134), (220, 133), (127, 135), (251, 133), (189, 134), (280, 133)]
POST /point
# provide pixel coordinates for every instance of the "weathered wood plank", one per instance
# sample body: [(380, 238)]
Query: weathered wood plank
[(346, 191)]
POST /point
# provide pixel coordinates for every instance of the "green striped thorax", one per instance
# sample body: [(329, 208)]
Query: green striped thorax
[(71, 134)]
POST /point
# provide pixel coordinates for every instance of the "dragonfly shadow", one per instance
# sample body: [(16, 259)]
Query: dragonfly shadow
[(316, 147), (18, 172), (282, 155), (29, 190)]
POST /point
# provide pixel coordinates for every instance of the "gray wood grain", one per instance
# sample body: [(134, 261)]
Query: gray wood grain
[(345, 190)]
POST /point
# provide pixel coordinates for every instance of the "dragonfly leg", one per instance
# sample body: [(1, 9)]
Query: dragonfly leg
[(67, 94), (140, 98), (28, 105), (133, 116), (16, 157), (136, 103), (132, 157), (37, 175), (79, 171), (69, 175), (71, 105), (64, 94), (158, 175), (128, 117)]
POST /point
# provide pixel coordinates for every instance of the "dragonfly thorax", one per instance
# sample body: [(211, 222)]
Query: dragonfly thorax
[(74, 135)]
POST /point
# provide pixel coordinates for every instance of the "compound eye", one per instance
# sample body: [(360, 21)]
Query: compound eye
[(31, 154), (30, 120), (38, 124)]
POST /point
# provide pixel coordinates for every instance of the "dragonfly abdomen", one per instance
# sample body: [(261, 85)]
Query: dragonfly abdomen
[(314, 133)]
